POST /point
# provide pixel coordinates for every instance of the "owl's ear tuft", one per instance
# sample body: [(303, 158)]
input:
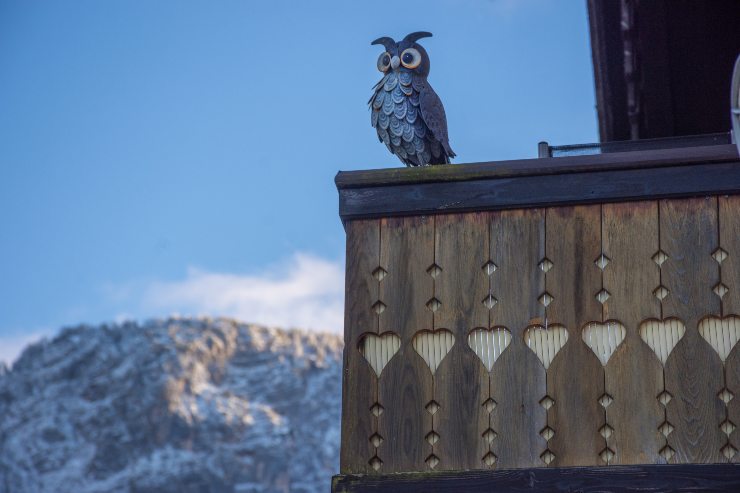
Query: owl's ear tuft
[(414, 37), (387, 42)]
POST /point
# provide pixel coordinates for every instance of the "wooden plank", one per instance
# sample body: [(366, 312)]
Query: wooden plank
[(729, 210), (359, 383), (517, 381), (729, 236), (575, 379), (539, 166), (615, 479), (540, 190), (634, 375), (732, 372), (407, 251), (693, 372), (461, 382)]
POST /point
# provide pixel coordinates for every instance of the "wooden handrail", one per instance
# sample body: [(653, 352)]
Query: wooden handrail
[(615, 177), (537, 166)]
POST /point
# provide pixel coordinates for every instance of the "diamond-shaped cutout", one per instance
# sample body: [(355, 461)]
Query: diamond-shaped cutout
[(547, 456), (606, 431), (432, 461), (547, 433), (607, 455), (376, 409), (547, 402), (432, 438), (660, 257), (729, 451), (720, 290), (489, 435), (375, 462), (661, 292), (602, 261), (727, 427), (434, 304), (489, 301), (432, 407), (489, 459), (489, 268), (489, 405), (376, 440), (378, 307), (667, 453), (434, 270), (605, 400), (664, 398), (719, 255), (380, 273), (602, 296), (725, 396), (545, 265), (666, 428), (546, 299)]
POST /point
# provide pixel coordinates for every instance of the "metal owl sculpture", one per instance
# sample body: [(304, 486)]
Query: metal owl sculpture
[(405, 111)]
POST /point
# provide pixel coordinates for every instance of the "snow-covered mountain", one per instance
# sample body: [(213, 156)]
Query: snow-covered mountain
[(178, 405)]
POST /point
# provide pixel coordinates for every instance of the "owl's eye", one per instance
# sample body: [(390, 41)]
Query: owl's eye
[(384, 61), (410, 58)]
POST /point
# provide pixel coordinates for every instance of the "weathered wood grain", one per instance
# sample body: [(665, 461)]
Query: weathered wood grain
[(540, 190), (732, 383), (462, 248), (407, 250), (689, 231), (359, 383), (729, 236), (634, 376), (615, 479), (517, 381), (575, 379), (693, 372), (729, 222)]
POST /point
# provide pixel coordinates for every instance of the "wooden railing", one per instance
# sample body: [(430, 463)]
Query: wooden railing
[(545, 313)]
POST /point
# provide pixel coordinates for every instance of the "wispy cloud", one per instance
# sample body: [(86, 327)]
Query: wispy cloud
[(302, 291)]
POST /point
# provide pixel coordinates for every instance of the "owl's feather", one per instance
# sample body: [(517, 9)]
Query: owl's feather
[(411, 123), (434, 116), (405, 78)]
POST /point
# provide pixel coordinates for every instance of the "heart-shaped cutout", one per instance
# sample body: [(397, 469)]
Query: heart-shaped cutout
[(721, 333), (433, 346), (546, 342), (379, 349), (662, 336), (603, 338), (488, 344)]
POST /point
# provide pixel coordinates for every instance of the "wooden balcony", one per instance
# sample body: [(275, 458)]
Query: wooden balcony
[(545, 313)]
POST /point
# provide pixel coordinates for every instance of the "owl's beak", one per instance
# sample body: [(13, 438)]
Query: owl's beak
[(395, 62)]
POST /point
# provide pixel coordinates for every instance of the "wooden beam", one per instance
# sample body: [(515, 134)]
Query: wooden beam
[(656, 158), (615, 479), (540, 190)]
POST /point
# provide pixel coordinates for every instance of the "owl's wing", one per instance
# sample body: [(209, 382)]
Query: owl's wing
[(434, 116)]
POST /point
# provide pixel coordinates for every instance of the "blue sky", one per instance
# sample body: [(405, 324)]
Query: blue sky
[(178, 156)]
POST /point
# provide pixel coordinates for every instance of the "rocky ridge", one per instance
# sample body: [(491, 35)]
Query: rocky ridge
[(177, 405)]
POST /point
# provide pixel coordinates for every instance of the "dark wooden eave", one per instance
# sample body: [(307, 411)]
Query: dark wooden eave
[(662, 67), (615, 177)]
